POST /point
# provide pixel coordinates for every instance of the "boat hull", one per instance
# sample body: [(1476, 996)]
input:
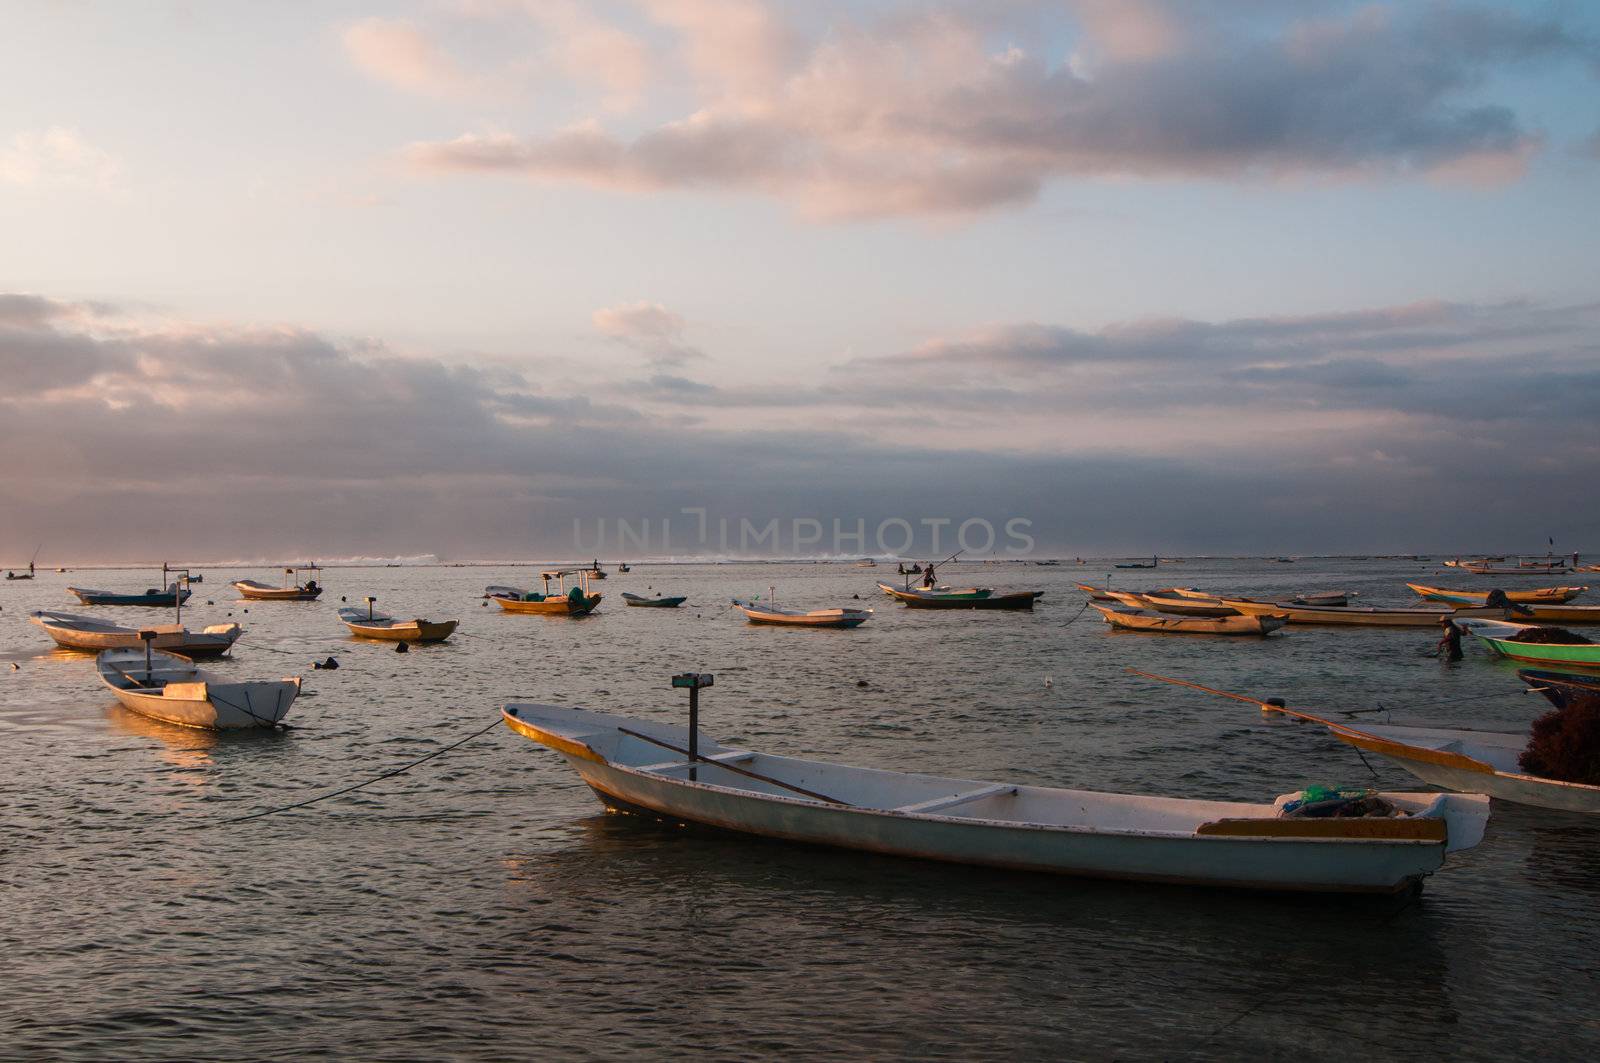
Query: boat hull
[(162, 600), (194, 646), (258, 593), (652, 603), (1580, 656), (1159, 623), (1541, 596), (1349, 615), (1255, 852), (415, 631), (556, 606)]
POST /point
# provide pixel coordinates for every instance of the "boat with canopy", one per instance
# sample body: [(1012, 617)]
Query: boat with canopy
[(673, 772), (556, 600)]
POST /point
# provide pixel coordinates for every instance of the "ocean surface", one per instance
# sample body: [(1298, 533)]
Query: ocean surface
[(483, 906)]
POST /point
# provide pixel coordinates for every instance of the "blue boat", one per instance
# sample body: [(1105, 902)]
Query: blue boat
[(168, 598)]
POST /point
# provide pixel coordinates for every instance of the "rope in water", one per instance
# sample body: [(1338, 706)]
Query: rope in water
[(360, 785)]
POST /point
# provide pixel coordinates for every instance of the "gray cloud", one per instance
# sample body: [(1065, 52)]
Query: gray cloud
[(922, 115), (213, 441)]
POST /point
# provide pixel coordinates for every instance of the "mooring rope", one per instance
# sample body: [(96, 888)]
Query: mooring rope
[(357, 786)]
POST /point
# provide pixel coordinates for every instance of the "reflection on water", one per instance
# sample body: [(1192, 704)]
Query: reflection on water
[(480, 905)]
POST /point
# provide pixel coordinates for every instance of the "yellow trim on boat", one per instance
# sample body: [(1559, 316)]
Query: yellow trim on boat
[(569, 746)]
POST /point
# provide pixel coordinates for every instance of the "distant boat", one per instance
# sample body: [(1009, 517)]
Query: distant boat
[(88, 633), (1154, 561), (170, 688), (1170, 624), (559, 601), (172, 596), (369, 624), (772, 614), (866, 562), (19, 575), (294, 589), (975, 598), (651, 603), (624, 567), (645, 767), (1554, 568), (1552, 595)]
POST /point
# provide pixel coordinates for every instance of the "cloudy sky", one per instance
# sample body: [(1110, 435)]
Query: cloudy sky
[(469, 277)]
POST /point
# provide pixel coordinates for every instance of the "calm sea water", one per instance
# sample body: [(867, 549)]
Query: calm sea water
[(482, 905)]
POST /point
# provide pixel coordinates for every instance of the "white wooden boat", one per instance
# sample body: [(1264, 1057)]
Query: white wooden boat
[(1365, 616), (1172, 624), (74, 632), (294, 588), (643, 766), (170, 688), (369, 624), (1539, 595), (772, 614)]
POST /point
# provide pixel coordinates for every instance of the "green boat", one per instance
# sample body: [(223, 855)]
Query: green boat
[(1503, 638)]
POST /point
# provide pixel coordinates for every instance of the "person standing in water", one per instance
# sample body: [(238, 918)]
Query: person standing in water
[(1450, 644)]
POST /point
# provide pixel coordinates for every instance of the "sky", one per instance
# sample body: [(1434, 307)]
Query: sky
[(496, 279)]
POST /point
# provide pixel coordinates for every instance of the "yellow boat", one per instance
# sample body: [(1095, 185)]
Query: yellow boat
[(368, 624), (562, 601), (1541, 595)]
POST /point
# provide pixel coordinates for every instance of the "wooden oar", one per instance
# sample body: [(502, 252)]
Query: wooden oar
[(737, 771), (1266, 706)]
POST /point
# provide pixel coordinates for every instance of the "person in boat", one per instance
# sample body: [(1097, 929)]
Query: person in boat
[(311, 585), (928, 578), (1450, 645)]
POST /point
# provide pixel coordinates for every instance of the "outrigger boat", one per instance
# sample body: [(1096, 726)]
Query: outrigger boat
[(1178, 606), (90, 634), (170, 688), (771, 614), (1541, 569), (1539, 595), (369, 624), (1471, 762), (972, 598), (1366, 616), (1172, 624), (294, 589), (563, 601), (1509, 640), (667, 771), (651, 603)]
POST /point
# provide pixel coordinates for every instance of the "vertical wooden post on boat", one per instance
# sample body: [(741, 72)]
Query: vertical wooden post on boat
[(148, 637), (370, 600), (694, 681)]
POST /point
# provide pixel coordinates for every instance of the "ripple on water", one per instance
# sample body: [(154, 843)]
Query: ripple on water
[(481, 906)]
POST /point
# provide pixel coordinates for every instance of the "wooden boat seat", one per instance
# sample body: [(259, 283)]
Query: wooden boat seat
[(733, 756), (939, 804)]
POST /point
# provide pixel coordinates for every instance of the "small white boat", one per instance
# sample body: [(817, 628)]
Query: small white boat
[(74, 632), (643, 766), (772, 614), (1173, 624), (369, 624), (1180, 605), (166, 687)]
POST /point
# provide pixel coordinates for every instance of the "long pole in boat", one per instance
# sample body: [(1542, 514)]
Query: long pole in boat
[(370, 600), (694, 681)]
